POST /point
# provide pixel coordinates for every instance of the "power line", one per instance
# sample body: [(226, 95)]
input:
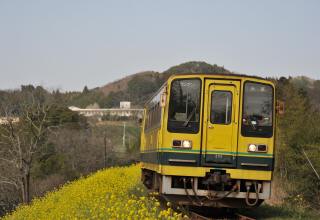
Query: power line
[(314, 170)]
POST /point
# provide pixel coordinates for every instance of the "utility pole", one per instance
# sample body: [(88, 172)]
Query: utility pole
[(105, 149), (124, 135), (129, 146)]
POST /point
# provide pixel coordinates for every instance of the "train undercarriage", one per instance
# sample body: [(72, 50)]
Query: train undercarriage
[(216, 189)]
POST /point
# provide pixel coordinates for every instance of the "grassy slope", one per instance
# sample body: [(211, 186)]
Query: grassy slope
[(114, 193), (280, 212)]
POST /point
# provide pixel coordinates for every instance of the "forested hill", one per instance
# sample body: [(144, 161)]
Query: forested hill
[(138, 87)]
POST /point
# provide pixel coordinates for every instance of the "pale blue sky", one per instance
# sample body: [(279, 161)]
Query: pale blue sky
[(69, 44)]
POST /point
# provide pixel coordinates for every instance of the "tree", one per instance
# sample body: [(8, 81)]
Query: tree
[(85, 90), (298, 131), (20, 141), (140, 88)]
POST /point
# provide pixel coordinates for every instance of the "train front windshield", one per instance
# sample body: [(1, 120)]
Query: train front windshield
[(257, 117), (184, 107)]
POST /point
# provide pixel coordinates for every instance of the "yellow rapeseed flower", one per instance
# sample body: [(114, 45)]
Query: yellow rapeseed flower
[(107, 194)]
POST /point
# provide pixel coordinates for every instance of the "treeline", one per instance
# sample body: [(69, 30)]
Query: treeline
[(298, 140)]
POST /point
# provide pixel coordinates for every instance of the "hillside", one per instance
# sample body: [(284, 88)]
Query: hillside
[(122, 84), (114, 193), (138, 87), (188, 67)]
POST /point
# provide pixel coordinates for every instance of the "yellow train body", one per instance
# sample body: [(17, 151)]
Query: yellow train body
[(203, 131)]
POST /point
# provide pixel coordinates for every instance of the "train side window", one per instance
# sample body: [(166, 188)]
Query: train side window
[(153, 117), (221, 107)]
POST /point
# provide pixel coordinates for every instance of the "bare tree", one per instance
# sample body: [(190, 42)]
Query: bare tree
[(19, 142)]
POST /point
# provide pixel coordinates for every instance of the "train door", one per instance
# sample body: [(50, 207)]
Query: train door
[(220, 127)]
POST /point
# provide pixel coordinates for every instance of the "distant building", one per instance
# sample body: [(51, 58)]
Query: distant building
[(125, 105), (6, 120), (93, 106), (125, 110)]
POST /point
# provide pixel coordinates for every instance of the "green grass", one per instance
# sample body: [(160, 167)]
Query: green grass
[(280, 212)]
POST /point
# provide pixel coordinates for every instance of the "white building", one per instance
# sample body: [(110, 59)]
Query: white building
[(7, 120), (125, 105), (125, 110)]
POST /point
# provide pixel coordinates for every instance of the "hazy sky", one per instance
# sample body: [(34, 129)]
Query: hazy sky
[(69, 44)]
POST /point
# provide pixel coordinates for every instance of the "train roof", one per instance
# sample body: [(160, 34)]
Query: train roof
[(220, 75)]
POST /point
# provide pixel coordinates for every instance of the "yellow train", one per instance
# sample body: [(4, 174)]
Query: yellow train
[(208, 140)]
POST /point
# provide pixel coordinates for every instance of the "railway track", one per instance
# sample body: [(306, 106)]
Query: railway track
[(196, 213), (237, 216)]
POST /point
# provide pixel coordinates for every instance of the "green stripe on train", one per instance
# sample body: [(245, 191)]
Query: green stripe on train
[(208, 160), (209, 152)]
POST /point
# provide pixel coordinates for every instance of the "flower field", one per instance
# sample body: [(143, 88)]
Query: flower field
[(114, 193)]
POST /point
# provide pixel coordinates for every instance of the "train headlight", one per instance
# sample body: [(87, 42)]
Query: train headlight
[(186, 144), (252, 148), (182, 144), (260, 148)]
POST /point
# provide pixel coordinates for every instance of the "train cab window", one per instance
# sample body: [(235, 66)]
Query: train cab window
[(221, 107), (184, 106), (257, 116)]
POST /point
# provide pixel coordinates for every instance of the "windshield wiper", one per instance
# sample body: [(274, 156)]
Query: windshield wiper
[(185, 124)]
